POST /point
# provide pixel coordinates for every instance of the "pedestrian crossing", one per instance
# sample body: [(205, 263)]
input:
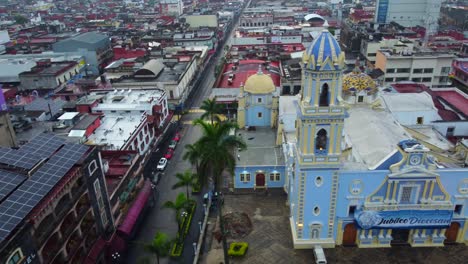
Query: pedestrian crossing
[(196, 110)]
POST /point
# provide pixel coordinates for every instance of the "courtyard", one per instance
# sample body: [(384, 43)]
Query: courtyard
[(270, 239)]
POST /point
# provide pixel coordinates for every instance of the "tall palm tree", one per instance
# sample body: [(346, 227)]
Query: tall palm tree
[(193, 155), (160, 246), (181, 202), (212, 109), (186, 179), (217, 147)]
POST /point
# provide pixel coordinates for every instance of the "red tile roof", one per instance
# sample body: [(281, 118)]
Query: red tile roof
[(245, 69), (455, 100)]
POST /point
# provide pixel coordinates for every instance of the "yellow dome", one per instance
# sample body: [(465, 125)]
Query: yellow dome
[(358, 81), (259, 83)]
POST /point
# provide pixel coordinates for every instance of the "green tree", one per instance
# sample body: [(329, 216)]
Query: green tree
[(193, 155), (159, 247), (181, 203), (212, 109), (186, 179), (217, 147), (19, 19)]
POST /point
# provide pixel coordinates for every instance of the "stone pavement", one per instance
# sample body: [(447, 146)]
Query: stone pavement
[(270, 240)]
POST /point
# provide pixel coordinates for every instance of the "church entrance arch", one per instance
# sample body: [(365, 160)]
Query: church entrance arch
[(324, 94), (260, 179), (349, 235), (452, 232)]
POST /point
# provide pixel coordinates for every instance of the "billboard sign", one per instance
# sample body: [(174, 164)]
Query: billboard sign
[(382, 10), (404, 219)]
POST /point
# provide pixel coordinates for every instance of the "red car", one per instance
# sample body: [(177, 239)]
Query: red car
[(176, 137), (169, 154)]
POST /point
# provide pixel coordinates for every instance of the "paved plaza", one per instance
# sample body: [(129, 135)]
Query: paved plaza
[(270, 240)]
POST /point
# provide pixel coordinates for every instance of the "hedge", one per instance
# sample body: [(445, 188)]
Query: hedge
[(178, 246), (238, 249)]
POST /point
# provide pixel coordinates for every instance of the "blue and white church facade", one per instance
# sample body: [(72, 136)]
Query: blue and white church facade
[(352, 173)]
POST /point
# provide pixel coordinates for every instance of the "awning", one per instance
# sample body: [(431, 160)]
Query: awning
[(128, 223), (95, 251), (116, 244)]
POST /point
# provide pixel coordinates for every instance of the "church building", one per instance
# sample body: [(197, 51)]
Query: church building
[(353, 174)]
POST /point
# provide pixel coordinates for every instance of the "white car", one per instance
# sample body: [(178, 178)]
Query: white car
[(162, 164)]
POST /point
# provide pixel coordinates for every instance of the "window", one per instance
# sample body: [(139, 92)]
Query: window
[(371, 54), (450, 131), (443, 79), (321, 140), (316, 210), (360, 99), (92, 167), (428, 70), (245, 177), (323, 101), (259, 114), (416, 79), (458, 209), (97, 188), (401, 79), (259, 100), (408, 194), (315, 231), (390, 71), (420, 120), (351, 210), (403, 70), (388, 79), (275, 176), (16, 257), (101, 203), (445, 70), (104, 217), (318, 181), (428, 79), (417, 70)]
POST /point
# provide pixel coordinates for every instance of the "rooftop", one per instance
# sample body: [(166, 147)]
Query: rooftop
[(261, 148), (127, 99), (245, 69), (454, 99)]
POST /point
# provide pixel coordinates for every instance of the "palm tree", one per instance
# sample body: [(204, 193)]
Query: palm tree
[(217, 147), (193, 155), (181, 202), (186, 179), (212, 109), (160, 246)]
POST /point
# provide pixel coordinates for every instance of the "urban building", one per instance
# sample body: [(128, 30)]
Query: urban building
[(409, 13), (369, 48), (54, 203), (7, 131), (171, 7), (428, 67), (95, 47), (459, 74), (129, 119), (48, 75), (353, 173)]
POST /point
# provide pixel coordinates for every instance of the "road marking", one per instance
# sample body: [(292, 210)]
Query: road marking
[(196, 110)]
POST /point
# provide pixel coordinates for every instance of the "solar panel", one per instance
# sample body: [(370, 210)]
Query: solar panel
[(9, 181), (43, 145), (18, 205)]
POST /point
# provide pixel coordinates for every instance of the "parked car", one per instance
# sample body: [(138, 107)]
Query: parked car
[(176, 137), (173, 144), (169, 154), (162, 164)]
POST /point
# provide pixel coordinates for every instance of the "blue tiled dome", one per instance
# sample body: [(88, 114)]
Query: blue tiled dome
[(323, 48)]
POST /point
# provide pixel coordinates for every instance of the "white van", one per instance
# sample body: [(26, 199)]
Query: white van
[(319, 255)]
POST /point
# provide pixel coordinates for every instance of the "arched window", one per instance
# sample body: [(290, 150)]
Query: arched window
[(321, 140), (323, 101), (16, 257), (315, 229)]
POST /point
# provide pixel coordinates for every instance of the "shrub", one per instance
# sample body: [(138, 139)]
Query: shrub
[(178, 246), (196, 187), (238, 249)]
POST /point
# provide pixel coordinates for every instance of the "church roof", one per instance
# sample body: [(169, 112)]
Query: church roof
[(323, 49), (259, 83), (358, 81)]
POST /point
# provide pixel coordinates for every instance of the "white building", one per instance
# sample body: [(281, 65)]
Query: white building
[(130, 118), (430, 68), (171, 7), (369, 48), (409, 13)]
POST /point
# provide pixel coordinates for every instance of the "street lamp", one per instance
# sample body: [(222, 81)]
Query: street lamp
[(194, 247), (200, 225), (205, 209), (116, 256)]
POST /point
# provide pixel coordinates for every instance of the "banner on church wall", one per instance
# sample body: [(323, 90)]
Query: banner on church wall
[(404, 219)]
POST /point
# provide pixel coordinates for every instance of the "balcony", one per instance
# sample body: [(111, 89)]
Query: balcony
[(68, 225), (51, 248), (45, 228), (63, 206), (73, 243)]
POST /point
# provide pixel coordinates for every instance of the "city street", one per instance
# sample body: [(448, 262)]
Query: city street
[(162, 219)]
